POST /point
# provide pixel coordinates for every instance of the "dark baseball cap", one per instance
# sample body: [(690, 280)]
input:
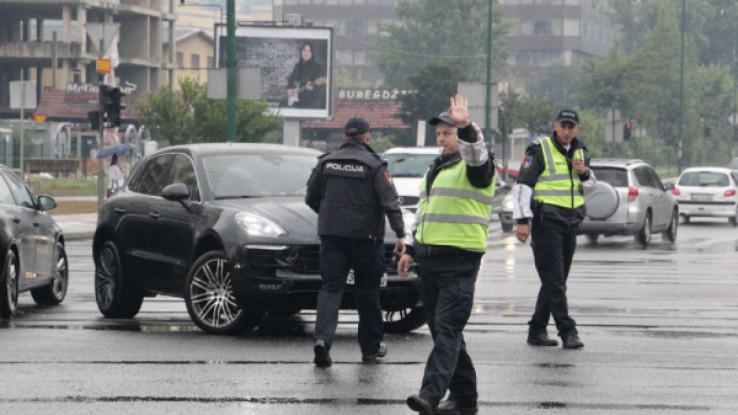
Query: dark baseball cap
[(568, 116), (356, 126), (442, 117)]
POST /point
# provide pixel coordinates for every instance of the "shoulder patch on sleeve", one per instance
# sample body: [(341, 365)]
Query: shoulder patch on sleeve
[(387, 176), (527, 161)]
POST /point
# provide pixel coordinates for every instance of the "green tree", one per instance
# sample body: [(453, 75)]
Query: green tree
[(434, 30), (433, 84), (188, 116)]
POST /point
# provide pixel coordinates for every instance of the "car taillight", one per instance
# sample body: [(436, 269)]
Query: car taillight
[(632, 194), (675, 192), (729, 192)]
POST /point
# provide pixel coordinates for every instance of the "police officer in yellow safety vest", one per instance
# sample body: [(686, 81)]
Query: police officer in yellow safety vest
[(548, 205), (450, 237)]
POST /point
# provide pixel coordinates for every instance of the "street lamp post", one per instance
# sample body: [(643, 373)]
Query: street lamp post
[(681, 93), (735, 105), (231, 85), (487, 103)]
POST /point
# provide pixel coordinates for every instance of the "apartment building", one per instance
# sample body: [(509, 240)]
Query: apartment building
[(545, 32), (47, 41)]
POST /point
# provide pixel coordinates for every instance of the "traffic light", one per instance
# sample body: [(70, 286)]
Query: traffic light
[(627, 127), (94, 117), (106, 102), (117, 107), (111, 105)]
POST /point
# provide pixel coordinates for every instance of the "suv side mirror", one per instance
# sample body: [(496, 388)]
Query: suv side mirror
[(178, 192), (669, 186), (46, 202)]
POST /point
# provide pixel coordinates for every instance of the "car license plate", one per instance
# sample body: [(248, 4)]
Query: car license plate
[(350, 279), (701, 197)]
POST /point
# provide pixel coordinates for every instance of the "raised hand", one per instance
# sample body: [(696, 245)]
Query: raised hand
[(458, 110)]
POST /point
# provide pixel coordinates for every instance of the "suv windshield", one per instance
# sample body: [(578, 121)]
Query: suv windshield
[(614, 176), (258, 175), (704, 179), (408, 165)]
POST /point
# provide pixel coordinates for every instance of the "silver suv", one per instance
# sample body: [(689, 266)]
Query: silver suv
[(629, 199)]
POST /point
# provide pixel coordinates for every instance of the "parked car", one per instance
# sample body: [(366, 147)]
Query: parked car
[(629, 199), (407, 166), (225, 227), (31, 245), (708, 192)]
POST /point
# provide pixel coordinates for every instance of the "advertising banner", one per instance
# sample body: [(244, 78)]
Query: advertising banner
[(295, 64)]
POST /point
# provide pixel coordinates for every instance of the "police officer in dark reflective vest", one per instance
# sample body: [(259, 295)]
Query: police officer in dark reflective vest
[(548, 205), (351, 191)]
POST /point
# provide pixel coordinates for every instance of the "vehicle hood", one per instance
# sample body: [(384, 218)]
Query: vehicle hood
[(291, 213), (407, 186)]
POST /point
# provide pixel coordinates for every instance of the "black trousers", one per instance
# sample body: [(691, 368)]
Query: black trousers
[(366, 257), (448, 294), (553, 246)]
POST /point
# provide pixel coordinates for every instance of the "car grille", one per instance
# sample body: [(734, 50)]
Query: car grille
[(410, 200), (304, 259)]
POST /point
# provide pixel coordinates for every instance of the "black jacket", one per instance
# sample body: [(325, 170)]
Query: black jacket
[(351, 191), (530, 170)]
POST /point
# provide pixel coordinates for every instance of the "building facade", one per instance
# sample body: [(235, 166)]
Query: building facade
[(47, 41), (545, 32), (554, 33)]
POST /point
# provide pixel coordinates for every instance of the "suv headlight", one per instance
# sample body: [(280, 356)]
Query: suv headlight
[(258, 225)]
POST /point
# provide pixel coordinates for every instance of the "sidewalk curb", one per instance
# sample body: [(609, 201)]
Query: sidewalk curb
[(78, 236)]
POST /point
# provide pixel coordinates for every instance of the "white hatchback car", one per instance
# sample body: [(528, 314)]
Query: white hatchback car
[(708, 192)]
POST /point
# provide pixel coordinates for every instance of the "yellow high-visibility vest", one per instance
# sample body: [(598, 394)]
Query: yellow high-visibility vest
[(455, 213), (556, 186)]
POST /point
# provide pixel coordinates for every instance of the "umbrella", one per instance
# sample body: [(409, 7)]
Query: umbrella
[(118, 148)]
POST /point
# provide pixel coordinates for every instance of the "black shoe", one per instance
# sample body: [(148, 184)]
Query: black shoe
[(541, 339), (372, 358), (322, 356), (450, 407), (572, 342), (420, 405)]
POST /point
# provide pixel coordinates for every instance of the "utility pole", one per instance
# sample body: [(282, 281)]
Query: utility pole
[(735, 104), (487, 103), (232, 80), (101, 130), (680, 153)]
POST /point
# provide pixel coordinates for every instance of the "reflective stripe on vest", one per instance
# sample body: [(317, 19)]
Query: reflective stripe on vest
[(555, 186), (455, 213)]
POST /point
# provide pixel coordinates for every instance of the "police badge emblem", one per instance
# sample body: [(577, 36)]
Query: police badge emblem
[(527, 160)]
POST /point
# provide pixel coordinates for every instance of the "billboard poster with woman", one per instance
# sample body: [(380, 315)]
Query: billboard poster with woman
[(295, 65)]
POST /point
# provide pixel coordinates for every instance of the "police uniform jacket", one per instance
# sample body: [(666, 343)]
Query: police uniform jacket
[(533, 166), (351, 191)]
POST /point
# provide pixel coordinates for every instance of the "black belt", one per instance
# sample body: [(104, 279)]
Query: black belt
[(426, 251)]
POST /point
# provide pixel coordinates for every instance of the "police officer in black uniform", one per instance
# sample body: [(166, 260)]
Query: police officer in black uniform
[(351, 191), (548, 205)]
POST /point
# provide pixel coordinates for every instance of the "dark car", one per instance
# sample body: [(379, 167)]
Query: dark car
[(31, 245), (225, 226)]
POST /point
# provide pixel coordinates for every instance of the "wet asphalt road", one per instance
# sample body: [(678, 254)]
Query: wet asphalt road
[(660, 327)]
